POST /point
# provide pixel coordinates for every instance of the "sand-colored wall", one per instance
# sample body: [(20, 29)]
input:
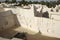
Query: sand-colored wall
[(7, 20)]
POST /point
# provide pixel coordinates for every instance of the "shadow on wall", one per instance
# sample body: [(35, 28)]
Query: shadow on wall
[(45, 14), (36, 13), (10, 32), (16, 21), (8, 20), (41, 14)]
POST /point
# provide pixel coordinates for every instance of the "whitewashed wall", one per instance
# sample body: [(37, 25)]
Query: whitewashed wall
[(46, 26)]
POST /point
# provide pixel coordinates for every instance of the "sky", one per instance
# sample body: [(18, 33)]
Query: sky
[(34, 0)]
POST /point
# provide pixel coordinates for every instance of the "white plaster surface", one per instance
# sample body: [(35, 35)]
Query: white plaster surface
[(48, 27)]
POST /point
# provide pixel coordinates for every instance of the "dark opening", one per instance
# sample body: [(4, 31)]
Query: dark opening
[(45, 14), (52, 10), (57, 10), (20, 35)]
